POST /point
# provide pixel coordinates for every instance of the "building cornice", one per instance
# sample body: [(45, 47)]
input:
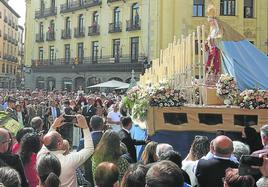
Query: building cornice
[(10, 8)]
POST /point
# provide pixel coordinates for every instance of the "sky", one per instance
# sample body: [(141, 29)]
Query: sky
[(19, 7)]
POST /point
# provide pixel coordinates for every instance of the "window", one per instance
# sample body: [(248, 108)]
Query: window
[(68, 3), (68, 26), (198, 8), (80, 23), (41, 30), (3, 68), (95, 18), (134, 49), (53, 5), (227, 8), (7, 68), (248, 8), (51, 54), (42, 5), (95, 46), (81, 2), (67, 53), (52, 26), (117, 17), (116, 50), (135, 13), (80, 52)]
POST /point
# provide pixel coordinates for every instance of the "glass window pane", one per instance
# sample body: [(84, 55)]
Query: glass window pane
[(200, 10), (195, 10)]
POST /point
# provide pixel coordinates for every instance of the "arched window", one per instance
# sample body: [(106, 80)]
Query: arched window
[(135, 12), (227, 7), (95, 18), (67, 24), (117, 17), (52, 26), (80, 22)]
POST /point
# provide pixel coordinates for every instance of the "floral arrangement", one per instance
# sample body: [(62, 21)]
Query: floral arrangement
[(254, 99), (138, 99), (137, 103), (167, 97), (226, 88)]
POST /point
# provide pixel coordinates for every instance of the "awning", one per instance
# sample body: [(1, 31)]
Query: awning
[(110, 84)]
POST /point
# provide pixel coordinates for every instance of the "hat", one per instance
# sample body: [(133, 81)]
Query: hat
[(11, 99)]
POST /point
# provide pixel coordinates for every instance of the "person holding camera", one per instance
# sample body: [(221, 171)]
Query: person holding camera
[(53, 142)]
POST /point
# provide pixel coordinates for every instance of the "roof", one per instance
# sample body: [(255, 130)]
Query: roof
[(10, 8)]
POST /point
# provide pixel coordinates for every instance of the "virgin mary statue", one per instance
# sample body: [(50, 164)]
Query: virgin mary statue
[(231, 53)]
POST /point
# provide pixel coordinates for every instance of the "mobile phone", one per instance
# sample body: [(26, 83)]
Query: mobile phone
[(69, 118), (251, 160)]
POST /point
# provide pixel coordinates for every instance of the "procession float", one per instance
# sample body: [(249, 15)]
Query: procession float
[(201, 84)]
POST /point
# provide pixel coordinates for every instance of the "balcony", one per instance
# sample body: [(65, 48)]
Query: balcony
[(52, 11), (50, 36), (66, 34), (94, 30), (77, 5), (5, 19), (79, 32), (133, 25), (104, 64), (92, 3), (9, 39), (115, 27), (39, 38), (112, 1), (10, 58)]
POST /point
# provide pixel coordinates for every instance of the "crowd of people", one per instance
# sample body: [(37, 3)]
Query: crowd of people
[(71, 139)]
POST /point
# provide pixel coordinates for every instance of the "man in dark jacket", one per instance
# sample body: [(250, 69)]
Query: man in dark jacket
[(89, 110), (210, 172), (11, 104), (9, 159), (125, 137)]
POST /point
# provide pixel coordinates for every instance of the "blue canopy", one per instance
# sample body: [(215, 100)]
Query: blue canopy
[(246, 63)]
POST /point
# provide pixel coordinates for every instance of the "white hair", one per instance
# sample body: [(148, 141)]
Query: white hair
[(162, 148)]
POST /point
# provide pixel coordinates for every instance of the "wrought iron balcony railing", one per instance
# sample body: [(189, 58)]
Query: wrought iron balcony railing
[(93, 30), (52, 11), (105, 63), (39, 38), (112, 1), (92, 3), (133, 25), (115, 27), (78, 5), (50, 36), (66, 34), (79, 32)]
